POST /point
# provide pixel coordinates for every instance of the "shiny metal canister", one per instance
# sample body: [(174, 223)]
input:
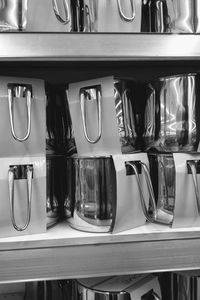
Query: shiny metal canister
[(171, 114), (168, 16), (91, 193)]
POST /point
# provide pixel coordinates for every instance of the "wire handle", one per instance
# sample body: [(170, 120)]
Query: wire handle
[(27, 92), (92, 93), (151, 219), (57, 12), (12, 173), (123, 16)]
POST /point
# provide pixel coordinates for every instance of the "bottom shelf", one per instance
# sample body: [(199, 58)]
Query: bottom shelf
[(63, 252)]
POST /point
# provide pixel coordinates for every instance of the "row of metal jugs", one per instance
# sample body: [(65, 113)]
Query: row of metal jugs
[(174, 16), (171, 124), (128, 287), (166, 286)]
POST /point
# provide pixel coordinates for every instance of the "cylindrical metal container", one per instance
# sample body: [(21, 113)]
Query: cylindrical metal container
[(185, 285), (13, 15), (91, 193), (54, 186), (171, 115), (129, 287), (59, 134), (171, 16)]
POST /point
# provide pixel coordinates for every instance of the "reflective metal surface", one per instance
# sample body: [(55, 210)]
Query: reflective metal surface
[(163, 175), (124, 96), (13, 15), (19, 172), (59, 134), (54, 188), (25, 91), (91, 94), (113, 289), (91, 193), (102, 47), (171, 114), (185, 285), (172, 16)]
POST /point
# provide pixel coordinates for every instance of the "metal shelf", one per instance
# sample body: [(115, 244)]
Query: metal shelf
[(98, 46), (66, 253)]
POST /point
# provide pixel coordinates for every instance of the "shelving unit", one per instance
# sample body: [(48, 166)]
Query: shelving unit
[(66, 253)]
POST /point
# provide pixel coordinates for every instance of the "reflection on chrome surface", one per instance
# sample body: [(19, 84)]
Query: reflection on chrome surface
[(171, 114)]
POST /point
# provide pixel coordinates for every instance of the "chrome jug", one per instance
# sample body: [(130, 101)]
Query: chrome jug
[(117, 15), (12, 15), (59, 133), (91, 189), (54, 185), (171, 16), (171, 114), (163, 179), (91, 193), (128, 287), (185, 285)]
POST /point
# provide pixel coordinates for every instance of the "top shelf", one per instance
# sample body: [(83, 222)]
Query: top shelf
[(98, 46)]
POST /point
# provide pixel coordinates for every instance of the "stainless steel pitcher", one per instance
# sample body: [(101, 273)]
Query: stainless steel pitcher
[(185, 285), (59, 133), (117, 288), (12, 15), (124, 97), (117, 15), (91, 193), (54, 184), (91, 197), (171, 16), (163, 179), (171, 114)]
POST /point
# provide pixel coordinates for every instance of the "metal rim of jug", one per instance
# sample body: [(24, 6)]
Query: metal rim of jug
[(163, 78), (101, 292)]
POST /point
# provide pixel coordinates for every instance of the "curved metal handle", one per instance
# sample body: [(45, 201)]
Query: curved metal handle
[(151, 219), (191, 164), (86, 93), (128, 19), (11, 175), (28, 104), (57, 12)]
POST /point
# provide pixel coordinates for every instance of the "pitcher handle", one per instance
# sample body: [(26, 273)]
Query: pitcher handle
[(127, 19), (57, 13), (149, 218), (11, 177), (28, 104), (85, 92), (191, 164)]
